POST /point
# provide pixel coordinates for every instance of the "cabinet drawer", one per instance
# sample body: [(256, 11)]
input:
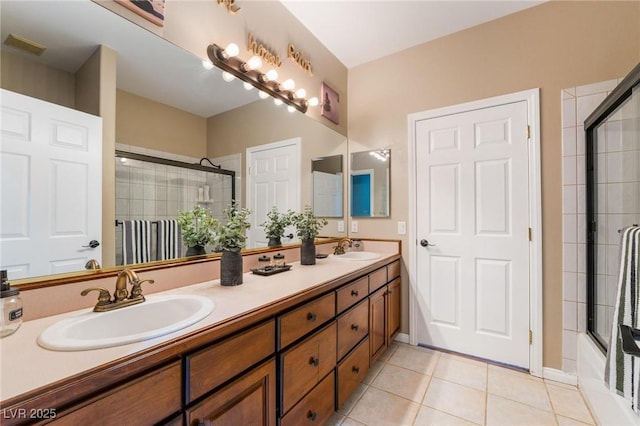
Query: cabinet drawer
[(393, 270), (377, 279), (212, 366), (352, 293), (147, 400), (304, 319), (315, 408), (352, 371), (306, 363), (353, 325)]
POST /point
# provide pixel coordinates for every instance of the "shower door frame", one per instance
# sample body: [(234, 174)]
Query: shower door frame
[(617, 97)]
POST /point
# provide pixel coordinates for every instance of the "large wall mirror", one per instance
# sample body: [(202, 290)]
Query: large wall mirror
[(154, 75), (369, 187)]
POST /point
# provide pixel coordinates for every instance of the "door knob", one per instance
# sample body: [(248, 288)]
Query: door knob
[(290, 236), (426, 243), (93, 244)]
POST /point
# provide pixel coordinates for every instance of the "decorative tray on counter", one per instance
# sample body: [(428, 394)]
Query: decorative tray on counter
[(270, 270)]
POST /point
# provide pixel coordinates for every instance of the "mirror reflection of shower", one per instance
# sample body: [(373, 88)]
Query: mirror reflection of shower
[(369, 183)]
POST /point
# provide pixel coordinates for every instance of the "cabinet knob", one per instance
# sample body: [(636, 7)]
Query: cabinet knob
[(354, 293), (311, 415), (314, 361), (311, 316), (355, 369), (354, 327)]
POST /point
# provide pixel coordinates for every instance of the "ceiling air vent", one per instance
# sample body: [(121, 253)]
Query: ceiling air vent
[(24, 44)]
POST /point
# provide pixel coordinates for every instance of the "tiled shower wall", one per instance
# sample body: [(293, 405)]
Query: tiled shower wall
[(155, 191), (577, 104)]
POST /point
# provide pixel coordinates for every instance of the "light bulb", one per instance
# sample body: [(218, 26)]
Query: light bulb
[(248, 86), (277, 101), (253, 63), (232, 50), (123, 160), (288, 85), (290, 108), (271, 75), (206, 64), (263, 95), (301, 93), (313, 101), (226, 76)]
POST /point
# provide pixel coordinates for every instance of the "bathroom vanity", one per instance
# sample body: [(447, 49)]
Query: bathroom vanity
[(285, 349)]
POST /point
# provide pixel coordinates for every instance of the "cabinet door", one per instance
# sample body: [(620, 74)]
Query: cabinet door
[(249, 400), (146, 400), (305, 364), (377, 329), (393, 309)]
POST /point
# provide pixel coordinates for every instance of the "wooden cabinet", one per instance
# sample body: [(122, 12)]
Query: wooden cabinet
[(306, 364), (306, 318), (351, 371), (214, 365), (353, 325), (384, 317), (148, 399), (316, 407), (351, 293), (248, 400)]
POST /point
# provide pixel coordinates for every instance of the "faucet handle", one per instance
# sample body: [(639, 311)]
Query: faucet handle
[(136, 290), (104, 298)]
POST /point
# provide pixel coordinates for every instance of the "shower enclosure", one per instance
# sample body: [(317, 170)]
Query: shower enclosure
[(613, 197)]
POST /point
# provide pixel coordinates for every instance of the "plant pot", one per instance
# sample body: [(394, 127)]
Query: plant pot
[(230, 268), (273, 242), (308, 252), (196, 251)]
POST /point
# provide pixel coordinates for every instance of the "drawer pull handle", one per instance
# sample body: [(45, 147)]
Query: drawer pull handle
[(314, 361), (311, 415), (311, 316), (354, 293), (354, 327), (355, 369)]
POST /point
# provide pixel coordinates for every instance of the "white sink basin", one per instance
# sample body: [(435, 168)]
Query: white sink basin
[(155, 317), (358, 255)]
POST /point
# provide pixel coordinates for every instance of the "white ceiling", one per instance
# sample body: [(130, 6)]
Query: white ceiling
[(355, 31), (359, 31)]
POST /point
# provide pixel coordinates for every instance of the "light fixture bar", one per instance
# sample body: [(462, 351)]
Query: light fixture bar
[(234, 66)]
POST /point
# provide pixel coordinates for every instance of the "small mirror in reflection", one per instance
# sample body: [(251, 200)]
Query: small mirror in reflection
[(369, 182)]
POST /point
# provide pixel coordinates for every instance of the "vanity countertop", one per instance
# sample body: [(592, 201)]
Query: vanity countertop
[(26, 366)]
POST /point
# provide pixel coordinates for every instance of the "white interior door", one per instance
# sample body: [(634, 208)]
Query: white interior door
[(51, 170), (273, 179), (472, 226)]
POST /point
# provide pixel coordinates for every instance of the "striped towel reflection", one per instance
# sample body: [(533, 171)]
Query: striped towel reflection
[(622, 371), (136, 241), (169, 239)]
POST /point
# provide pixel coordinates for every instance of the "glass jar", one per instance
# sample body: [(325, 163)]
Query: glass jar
[(264, 261), (10, 307), (278, 260)]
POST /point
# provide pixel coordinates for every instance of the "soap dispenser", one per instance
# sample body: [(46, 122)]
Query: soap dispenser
[(10, 306)]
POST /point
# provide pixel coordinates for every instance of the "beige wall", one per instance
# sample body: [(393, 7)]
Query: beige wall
[(551, 46), (149, 124), (22, 75)]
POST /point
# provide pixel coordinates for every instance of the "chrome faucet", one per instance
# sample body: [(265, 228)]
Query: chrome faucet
[(339, 249), (121, 296)]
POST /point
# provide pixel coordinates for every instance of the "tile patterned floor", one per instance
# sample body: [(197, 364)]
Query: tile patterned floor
[(411, 385)]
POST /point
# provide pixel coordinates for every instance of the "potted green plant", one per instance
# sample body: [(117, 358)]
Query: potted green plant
[(230, 238), (308, 227), (196, 226), (275, 225)]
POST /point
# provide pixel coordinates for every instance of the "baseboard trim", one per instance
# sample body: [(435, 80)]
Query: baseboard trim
[(560, 376), (402, 338)]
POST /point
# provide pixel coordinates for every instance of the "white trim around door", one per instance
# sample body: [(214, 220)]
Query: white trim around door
[(532, 98)]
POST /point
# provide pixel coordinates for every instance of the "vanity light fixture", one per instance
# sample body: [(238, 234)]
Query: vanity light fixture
[(249, 73)]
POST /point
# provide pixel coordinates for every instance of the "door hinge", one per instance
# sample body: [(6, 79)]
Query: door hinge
[(528, 132), (530, 234), (530, 337)]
